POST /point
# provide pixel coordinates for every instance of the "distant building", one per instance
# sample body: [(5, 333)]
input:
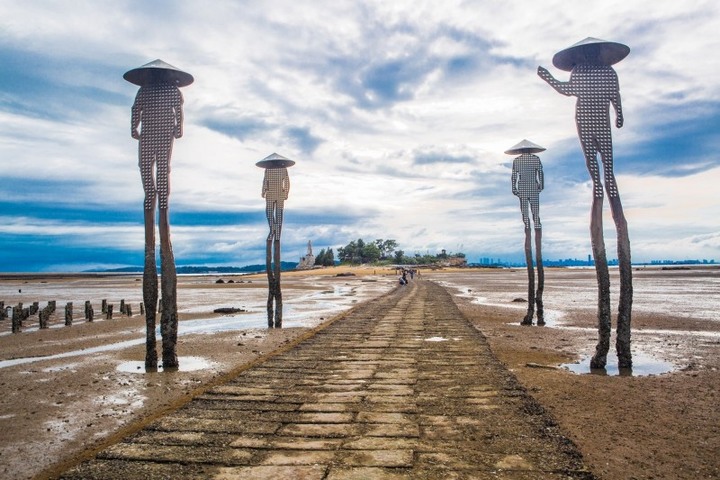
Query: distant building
[(308, 261)]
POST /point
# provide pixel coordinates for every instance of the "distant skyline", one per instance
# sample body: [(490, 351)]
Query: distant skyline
[(397, 114)]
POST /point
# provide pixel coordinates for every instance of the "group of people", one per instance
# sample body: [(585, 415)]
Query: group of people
[(404, 276)]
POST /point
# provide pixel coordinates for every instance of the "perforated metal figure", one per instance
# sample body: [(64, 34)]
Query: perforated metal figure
[(159, 108), (527, 183), (275, 190), (276, 187), (528, 180), (595, 84), (156, 120)]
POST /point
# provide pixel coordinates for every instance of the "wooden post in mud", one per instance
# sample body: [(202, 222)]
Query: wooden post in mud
[(68, 314), (109, 313), (104, 305), (3, 314), (34, 308), (142, 309), (122, 306), (17, 318), (128, 310), (44, 317), (53, 306)]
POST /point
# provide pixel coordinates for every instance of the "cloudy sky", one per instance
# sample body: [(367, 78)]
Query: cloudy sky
[(396, 112)]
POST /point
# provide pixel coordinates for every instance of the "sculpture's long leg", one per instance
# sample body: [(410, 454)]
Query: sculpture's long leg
[(271, 280), (277, 293), (622, 343), (531, 279), (599, 360), (150, 291), (168, 319), (541, 277)]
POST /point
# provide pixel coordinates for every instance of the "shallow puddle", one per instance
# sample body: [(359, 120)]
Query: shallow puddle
[(187, 364), (551, 317), (643, 365)]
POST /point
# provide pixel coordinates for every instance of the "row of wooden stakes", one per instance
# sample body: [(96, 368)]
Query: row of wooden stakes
[(19, 313)]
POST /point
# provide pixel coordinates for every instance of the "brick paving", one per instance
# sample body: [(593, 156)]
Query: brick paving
[(402, 387)]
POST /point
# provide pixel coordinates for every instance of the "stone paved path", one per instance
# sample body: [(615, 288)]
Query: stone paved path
[(403, 387)]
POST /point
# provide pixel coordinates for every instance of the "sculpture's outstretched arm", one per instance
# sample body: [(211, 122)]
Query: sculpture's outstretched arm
[(561, 87), (285, 184), (266, 185), (135, 117)]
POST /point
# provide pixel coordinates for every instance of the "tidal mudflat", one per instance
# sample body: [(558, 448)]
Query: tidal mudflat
[(661, 420), (66, 389)]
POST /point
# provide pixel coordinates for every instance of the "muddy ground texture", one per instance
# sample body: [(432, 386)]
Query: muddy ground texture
[(666, 426), (54, 411)]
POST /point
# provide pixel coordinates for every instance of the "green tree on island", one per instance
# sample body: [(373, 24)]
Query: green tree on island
[(385, 252), (325, 258)]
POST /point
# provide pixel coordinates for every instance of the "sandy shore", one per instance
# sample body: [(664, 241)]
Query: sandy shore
[(644, 426), (651, 426), (69, 389)]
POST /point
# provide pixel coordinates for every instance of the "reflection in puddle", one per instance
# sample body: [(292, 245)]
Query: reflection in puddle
[(74, 353), (551, 317), (643, 365), (187, 364)]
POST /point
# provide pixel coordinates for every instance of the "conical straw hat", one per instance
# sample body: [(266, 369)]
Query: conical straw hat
[(158, 71), (526, 146), (275, 161), (608, 53)]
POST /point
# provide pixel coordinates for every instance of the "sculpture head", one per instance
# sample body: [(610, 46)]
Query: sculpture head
[(592, 51), (158, 72), (525, 146), (275, 161)]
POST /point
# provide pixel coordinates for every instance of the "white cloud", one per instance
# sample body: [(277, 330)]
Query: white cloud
[(397, 113)]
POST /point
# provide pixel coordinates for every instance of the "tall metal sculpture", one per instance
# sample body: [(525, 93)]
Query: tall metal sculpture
[(158, 108), (527, 183), (595, 84), (275, 190)]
